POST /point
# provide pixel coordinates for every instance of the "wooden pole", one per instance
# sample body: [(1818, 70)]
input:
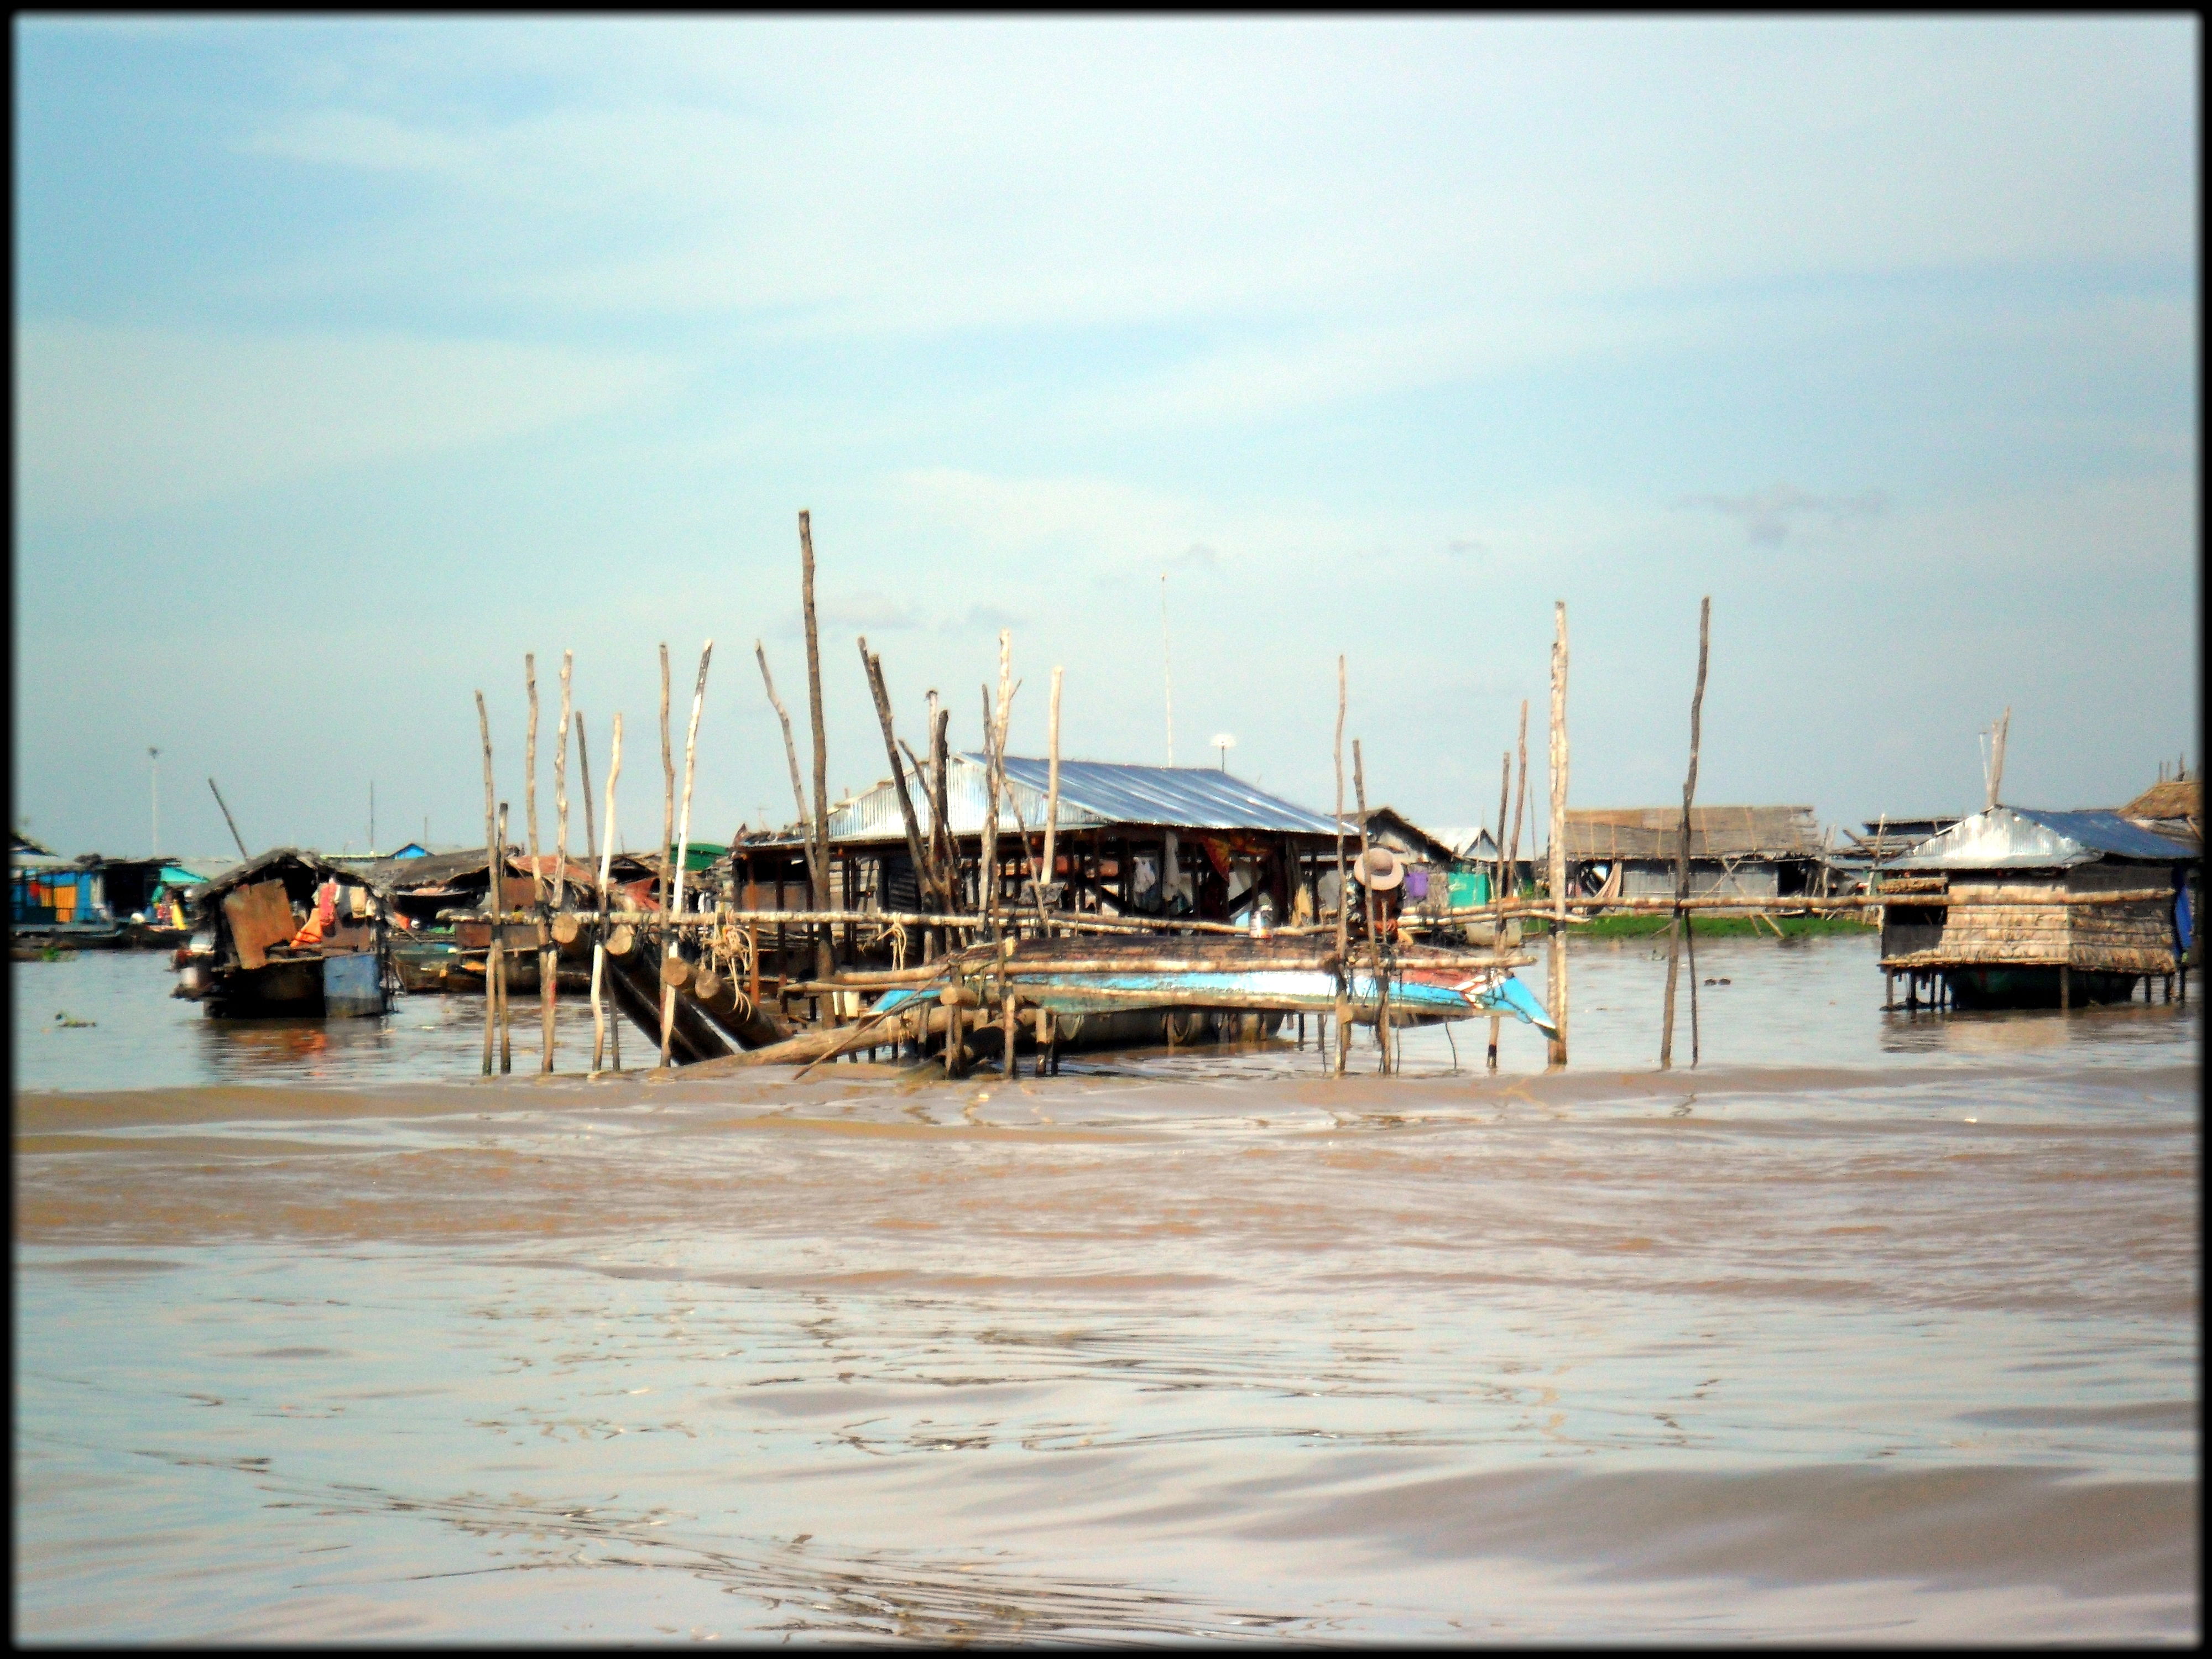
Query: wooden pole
[(873, 666), (599, 939), (1051, 782), (940, 766), (823, 966), (1498, 883), (495, 968), (1681, 922), (683, 844), (545, 957), (550, 989), (495, 901), (1997, 755), (999, 789), (243, 855), (591, 821), (1343, 889), (667, 789), (1374, 928), (1557, 987)]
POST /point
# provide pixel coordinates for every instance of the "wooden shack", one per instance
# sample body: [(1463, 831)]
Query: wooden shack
[(1953, 934), (1760, 853), (288, 934)]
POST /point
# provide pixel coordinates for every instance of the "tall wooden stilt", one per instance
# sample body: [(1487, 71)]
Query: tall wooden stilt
[(493, 893), (600, 941), (823, 965), (1682, 851), (1343, 889), (1557, 987)]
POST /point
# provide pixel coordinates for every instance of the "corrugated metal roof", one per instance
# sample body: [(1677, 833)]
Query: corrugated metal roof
[(1653, 832), (2024, 838), (1092, 792), (1180, 797)]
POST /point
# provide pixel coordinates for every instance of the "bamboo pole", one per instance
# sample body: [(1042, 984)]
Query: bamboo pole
[(1557, 987), (1997, 755), (948, 866), (1675, 930), (1343, 891), (822, 954), (495, 968), (998, 789), (550, 971), (667, 789), (682, 846), (1052, 780), (546, 972), (494, 900), (591, 823), (873, 666), (1497, 879), (243, 855), (599, 936), (1374, 927)]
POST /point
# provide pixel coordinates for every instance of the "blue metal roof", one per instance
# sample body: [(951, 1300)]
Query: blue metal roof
[(1180, 797), (2108, 833), (2023, 838)]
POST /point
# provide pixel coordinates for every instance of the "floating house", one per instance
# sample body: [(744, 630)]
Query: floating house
[(288, 934), (1986, 953), (1759, 854), (1128, 840)]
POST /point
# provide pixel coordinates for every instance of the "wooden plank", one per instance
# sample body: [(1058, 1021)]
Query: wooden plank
[(259, 917)]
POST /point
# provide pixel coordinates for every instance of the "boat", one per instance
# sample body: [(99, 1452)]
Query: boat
[(288, 934), (1112, 992)]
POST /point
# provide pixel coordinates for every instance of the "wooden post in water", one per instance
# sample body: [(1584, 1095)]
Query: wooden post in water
[(552, 988), (1497, 882), (823, 965), (667, 841), (1374, 929), (493, 895), (873, 666), (683, 849), (998, 791), (600, 941), (1051, 782), (818, 879), (1343, 889), (537, 868), (1556, 987), (1681, 922), (496, 963)]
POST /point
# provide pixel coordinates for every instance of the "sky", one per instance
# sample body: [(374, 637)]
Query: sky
[(357, 358)]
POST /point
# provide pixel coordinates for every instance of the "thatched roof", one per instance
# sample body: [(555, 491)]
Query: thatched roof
[(1602, 834), (2177, 797)]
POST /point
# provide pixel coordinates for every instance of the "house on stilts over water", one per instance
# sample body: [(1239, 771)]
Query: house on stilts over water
[(1988, 914)]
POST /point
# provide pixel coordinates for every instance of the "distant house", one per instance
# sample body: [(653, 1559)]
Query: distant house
[(1146, 839), (2031, 953), (1753, 853), (1445, 869), (2172, 808)]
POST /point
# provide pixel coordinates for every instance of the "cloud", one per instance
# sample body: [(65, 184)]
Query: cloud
[(1768, 516), (1465, 547), (112, 421), (982, 618)]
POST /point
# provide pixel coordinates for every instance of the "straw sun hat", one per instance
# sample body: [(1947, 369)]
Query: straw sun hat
[(1377, 870)]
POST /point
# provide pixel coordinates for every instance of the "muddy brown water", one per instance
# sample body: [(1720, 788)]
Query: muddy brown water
[(1870, 1327)]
